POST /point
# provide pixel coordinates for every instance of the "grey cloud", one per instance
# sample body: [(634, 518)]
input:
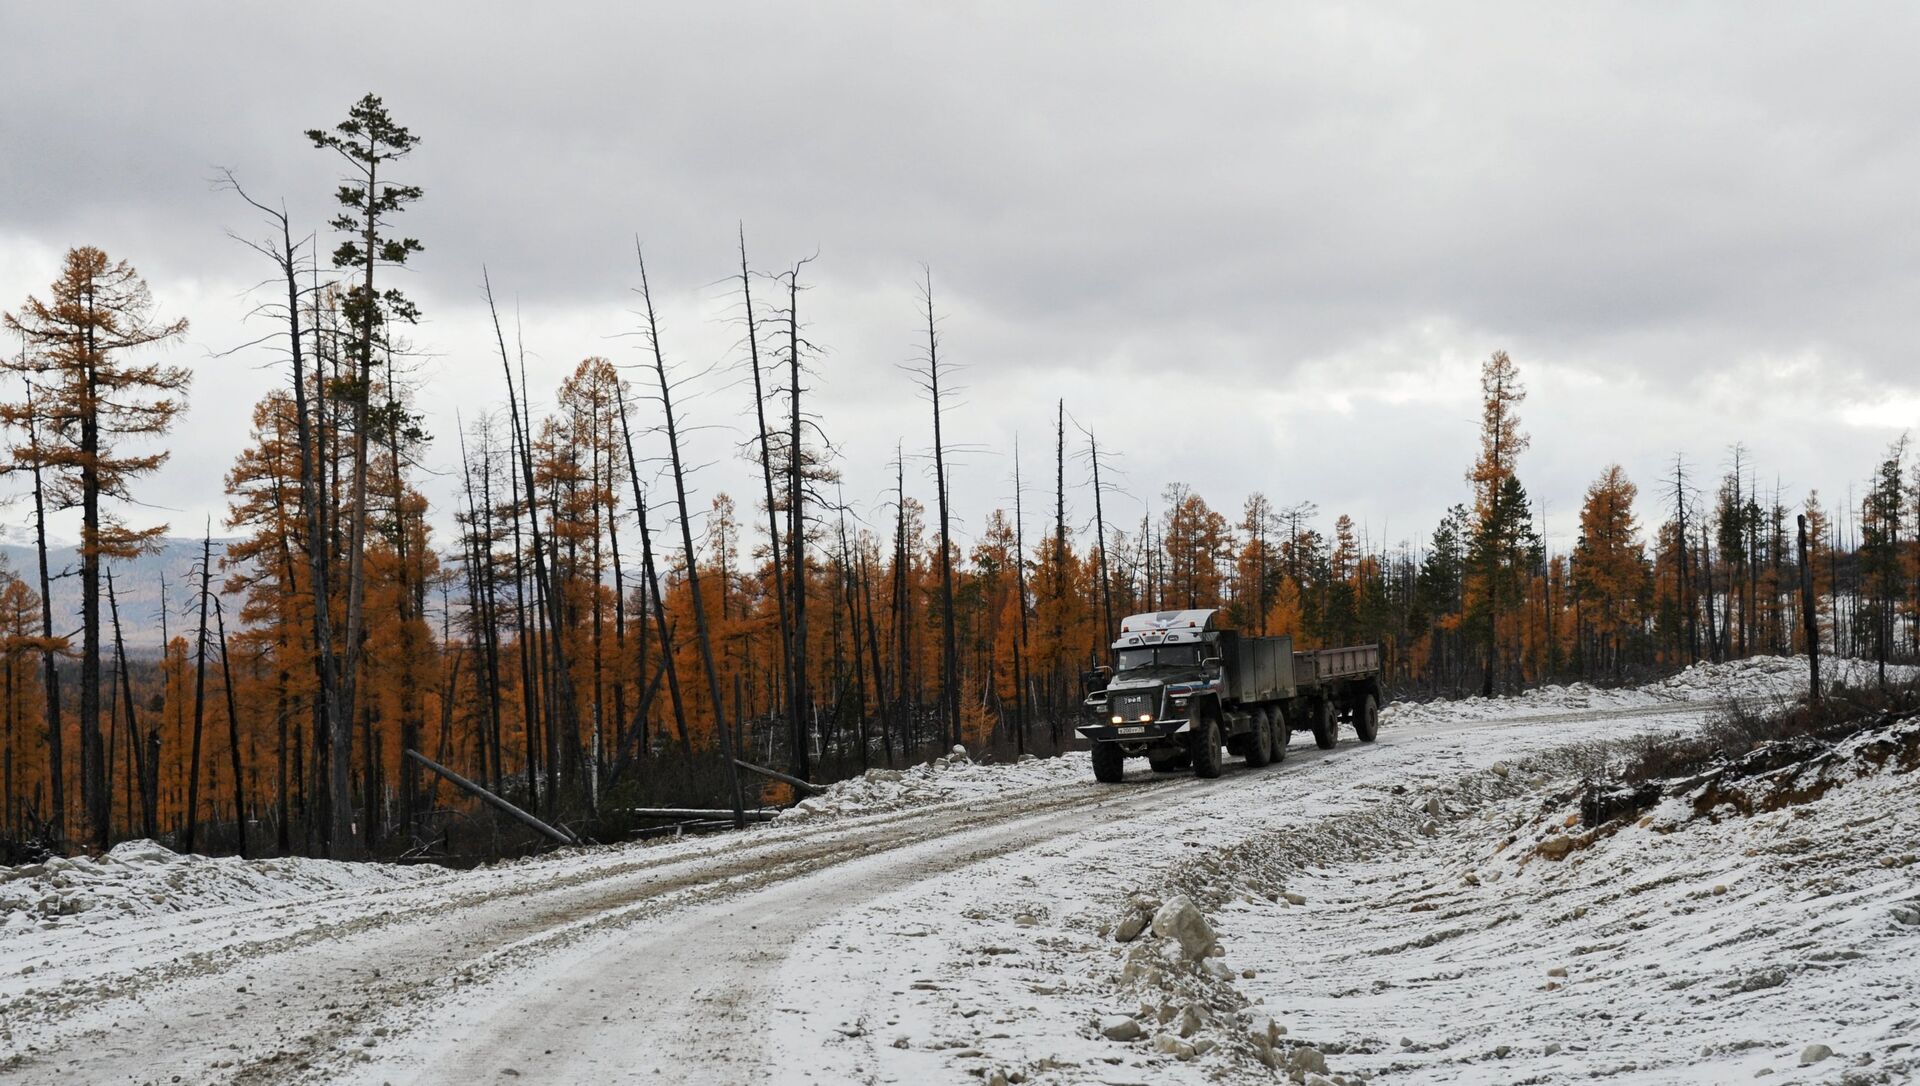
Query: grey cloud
[(1185, 203)]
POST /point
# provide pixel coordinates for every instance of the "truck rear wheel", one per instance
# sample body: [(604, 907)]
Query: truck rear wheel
[(1109, 763), (1206, 748), (1326, 730), (1282, 730), (1259, 741), (1366, 718)]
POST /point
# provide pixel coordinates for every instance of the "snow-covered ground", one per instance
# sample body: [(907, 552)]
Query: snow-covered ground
[(966, 923), (1511, 946), (138, 878)]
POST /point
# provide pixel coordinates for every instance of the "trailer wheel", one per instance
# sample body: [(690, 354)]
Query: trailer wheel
[(1326, 730), (1109, 763), (1282, 730), (1366, 718), (1206, 748), (1259, 742)]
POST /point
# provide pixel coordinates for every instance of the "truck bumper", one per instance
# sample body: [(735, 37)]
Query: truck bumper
[(1151, 732)]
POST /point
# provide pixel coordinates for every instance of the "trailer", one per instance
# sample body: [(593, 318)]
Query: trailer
[(1182, 689)]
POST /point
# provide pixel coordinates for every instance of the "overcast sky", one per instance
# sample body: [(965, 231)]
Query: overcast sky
[(1254, 246)]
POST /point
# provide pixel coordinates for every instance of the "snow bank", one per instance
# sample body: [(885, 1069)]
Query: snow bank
[(954, 776), (140, 878), (1757, 677)]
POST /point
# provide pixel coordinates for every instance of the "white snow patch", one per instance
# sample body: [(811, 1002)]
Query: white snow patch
[(1760, 678), (141, 878), (951, 777)]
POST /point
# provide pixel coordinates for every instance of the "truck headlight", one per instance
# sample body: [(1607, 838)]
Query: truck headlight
[(1119, 719)]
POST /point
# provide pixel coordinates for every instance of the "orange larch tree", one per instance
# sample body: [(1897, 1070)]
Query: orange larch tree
[(1613, 581), (93, 398)]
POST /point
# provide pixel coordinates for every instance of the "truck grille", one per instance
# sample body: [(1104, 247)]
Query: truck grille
[(1133, 705)]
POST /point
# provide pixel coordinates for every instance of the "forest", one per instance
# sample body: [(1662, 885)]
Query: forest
[(587, 640)]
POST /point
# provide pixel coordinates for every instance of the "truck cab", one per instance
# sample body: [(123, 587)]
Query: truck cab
[(1160, 661)]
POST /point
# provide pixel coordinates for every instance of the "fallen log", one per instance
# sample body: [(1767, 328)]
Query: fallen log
[(763, 814), (783, 778), (665, 829), (677, 829), (562, 836)]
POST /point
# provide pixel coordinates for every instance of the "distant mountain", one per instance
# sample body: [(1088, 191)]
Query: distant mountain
[(137, 583)]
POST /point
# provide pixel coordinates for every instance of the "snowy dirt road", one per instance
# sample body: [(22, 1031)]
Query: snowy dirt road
[(956, 934)]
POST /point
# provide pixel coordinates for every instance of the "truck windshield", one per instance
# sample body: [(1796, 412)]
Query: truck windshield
[(1161, 656)]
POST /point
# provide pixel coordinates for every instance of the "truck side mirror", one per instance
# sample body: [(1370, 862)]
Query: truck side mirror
[(1211, 661)]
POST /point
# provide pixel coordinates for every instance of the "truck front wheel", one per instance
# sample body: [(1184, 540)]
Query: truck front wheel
[(1109, 763), (1325, 729), (1366, 718), (1206, 748)]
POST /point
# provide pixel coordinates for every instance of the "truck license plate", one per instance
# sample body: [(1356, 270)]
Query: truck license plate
[(1133, 731)]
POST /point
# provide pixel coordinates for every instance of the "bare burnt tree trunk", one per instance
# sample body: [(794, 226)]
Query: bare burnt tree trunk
[(547, 588), (488, 580), (859, 654), (233, 730), (283, 656), (199, 693), (1685, 585), (340, 741), (93, 779), (550, 605), (523, 639), (1706, 568), (619, 596), (653, 592), (411, 602), (478, 550), (595, 561), (1055, 693), (797, 527), (766, 473), (324, 547), (873, 649), (903, 607), (1100, 531), (732, 775), (949, 656), (1022, 696), (148, 826), (642, 712), (328, 703), (1809, 617), (56, 821)]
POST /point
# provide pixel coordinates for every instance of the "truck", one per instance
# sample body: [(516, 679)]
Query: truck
[(1182, 687)]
